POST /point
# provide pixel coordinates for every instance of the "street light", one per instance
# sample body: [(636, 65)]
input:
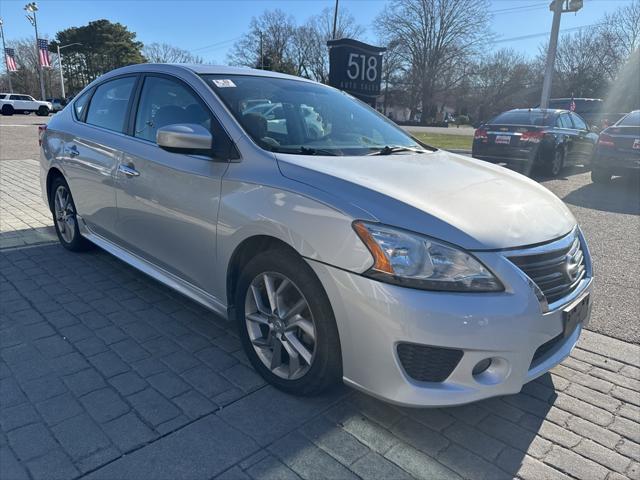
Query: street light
[(60, 64), (32, 8), (4, 52)]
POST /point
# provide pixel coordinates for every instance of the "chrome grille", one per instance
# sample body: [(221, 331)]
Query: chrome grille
[(557, 272)]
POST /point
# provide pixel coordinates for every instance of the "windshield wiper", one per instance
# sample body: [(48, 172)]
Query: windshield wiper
[(304, 150), (388, 150)]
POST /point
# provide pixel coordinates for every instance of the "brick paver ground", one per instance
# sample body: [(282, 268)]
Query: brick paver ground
[(105, 374), (24, 218)]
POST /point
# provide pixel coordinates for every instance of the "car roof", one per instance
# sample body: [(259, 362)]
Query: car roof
[(200, 69), (576, 98), (553, 111)]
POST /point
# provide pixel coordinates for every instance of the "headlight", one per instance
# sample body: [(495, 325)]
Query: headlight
[(413, 260)]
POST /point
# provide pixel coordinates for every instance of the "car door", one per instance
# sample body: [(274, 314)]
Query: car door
[(19, 103), (565, 129), (585, 139), (93, 148), (168, 202)]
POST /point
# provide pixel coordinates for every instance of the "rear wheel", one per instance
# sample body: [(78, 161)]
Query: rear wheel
[(286, 324), (64, 217), (42, 111), (600, 175), (7, 110), (555, 164)]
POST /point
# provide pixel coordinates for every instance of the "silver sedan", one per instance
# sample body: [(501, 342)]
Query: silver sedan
[(343, 248)]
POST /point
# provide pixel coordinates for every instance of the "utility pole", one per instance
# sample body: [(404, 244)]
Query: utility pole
[(335, 21), (4, 52), (33, 8), (261, 53), (557, 7)]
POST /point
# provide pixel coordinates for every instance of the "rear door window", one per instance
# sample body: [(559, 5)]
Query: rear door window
[(578, 122), (109, 104), (80, 105)]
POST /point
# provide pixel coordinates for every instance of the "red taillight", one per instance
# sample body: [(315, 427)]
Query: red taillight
[(481, 134), (41, 130), (606, 140), (532, 137)]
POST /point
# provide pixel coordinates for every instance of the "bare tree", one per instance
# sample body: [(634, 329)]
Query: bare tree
[(621, 30), (165, 53), (271, 34), (434, 38), (314, 35)]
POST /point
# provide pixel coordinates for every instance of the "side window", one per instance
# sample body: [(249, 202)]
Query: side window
[(578, 122), (165, 102), (108, 107), (15, 97), (564, 121), (80, 105)]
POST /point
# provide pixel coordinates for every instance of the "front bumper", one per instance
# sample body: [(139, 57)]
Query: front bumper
[(509, 327)]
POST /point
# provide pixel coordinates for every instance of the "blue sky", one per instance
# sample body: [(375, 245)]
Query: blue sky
[(209, 28)]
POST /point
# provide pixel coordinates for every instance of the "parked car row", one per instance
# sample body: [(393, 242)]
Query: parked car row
[(551, 139)]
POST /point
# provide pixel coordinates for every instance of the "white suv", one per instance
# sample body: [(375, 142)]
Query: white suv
[(11, 103)]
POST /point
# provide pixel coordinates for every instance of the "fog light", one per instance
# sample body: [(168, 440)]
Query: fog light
[(481, 366)]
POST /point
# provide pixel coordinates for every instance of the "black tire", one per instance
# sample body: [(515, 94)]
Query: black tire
[(326, 367), (7, 110), (43, 111), (554, 165), (77, 243), (600, 175)]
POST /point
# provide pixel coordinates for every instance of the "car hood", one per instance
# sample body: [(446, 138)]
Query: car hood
[(455, 198)]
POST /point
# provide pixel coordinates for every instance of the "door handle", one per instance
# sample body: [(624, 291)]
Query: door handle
[(128, 171), (72, 151)]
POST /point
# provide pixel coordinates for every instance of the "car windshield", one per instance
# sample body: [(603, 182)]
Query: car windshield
[(631, 120), (293, 116), (524, 118)]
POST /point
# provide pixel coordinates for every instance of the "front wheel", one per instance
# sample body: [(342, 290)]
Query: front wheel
[(287, 326), (42, 111), (64, 217)]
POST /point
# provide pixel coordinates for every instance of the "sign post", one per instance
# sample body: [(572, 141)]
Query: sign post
[(356, 68)]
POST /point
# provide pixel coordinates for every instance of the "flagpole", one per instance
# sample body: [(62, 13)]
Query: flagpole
[(4, 52), (33, 8)]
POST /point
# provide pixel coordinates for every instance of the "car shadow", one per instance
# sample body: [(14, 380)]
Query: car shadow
[(621, 195)]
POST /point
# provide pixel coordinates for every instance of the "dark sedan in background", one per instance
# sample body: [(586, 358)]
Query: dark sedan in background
[(618, 149), (529, 138)]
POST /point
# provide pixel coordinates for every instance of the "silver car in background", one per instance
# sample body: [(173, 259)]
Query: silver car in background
[(342, 247)]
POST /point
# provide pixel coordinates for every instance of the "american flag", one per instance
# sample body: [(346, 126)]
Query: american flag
[(10, 59), (43, 53)]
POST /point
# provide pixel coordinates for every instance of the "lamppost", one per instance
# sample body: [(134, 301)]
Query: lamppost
[(60, 64), (32, 8), (4, 52)]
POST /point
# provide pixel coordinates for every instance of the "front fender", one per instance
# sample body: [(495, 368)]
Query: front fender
[(314, 229)]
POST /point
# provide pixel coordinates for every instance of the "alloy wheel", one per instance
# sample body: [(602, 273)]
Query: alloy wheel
[(280, 325), (65, 214)]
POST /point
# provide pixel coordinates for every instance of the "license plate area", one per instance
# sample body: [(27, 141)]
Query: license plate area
[(574, 315), (503, 139)]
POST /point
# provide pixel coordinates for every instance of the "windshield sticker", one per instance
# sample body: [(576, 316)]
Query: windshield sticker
[(223, 83)]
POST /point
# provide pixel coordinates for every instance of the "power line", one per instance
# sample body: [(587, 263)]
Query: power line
[(217, 44), (542, 34), (519, 7)]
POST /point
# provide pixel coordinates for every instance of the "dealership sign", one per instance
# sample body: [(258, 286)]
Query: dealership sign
[(355, 67)]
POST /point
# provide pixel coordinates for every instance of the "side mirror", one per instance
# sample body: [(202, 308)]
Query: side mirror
[(595, 129), (185, 138)]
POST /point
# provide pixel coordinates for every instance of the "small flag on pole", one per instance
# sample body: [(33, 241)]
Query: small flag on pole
[(43, 53), (572, 105), (10, 59)]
